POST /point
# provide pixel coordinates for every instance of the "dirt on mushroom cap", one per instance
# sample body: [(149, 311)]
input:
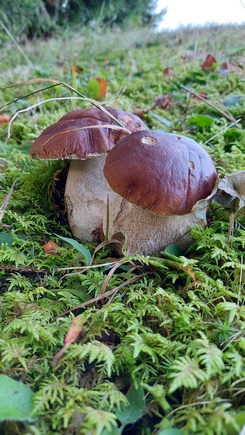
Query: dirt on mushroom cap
[(162, 172)]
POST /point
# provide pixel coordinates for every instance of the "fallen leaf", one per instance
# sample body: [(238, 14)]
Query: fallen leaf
[(16, 401), (50, 248), (231, 191), (164, 101), (102, 87), (207, 65), (228, 191), (141, 112), (201, 95), (76, 69), (168, 71), (228, 66), (4, 119), (72, 335)]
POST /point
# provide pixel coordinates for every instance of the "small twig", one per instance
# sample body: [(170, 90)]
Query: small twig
[(7, 199), (99, 297), (220, 107), (22, 269)]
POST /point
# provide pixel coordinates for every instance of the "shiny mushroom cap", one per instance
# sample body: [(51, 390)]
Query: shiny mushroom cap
[(68, 139), (161, 172)]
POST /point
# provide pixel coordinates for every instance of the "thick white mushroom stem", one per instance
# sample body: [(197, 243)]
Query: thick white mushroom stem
[(146, 233), (86, 195)]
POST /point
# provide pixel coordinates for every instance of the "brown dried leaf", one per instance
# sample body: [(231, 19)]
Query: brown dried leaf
[(73, 333), (76, 69), (207, 64), (228, 191), (164, 101), (168, 71), (231, 193), (201, 95), (4, 119), (141, 112), (228, 66), (50, 248)]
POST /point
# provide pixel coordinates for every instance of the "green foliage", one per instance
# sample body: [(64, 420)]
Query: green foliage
[(164, 352), (15, 400), (44, 17)]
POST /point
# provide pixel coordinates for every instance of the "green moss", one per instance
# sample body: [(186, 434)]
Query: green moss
[(171, 328)]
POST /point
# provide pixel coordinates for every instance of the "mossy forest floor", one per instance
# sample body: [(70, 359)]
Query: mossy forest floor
[(163, 352)]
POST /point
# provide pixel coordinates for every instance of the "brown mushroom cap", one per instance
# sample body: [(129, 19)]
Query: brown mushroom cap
[(164, 173), (66, 139)]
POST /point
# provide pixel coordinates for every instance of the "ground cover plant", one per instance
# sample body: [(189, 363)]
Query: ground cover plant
[(100, 343)]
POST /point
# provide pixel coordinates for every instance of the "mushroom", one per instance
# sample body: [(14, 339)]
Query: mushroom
[(77, 136), (158, 178)]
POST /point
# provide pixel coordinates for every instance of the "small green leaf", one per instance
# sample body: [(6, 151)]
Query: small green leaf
[(15, 400), (82, 295), (7, 238), (173, 250), (129, 414), (233, 100), (172, 431), (80, 248), (201, 121)]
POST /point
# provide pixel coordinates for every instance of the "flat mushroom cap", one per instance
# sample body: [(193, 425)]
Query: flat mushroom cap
[(66, 139), (164, 173)]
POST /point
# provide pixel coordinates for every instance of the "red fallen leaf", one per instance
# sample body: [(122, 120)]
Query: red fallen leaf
[(168, 71), (50, 248), (76, 69), (102, 86), (73, 333), (164, 101), (4, 118), (201, 95), (207, 64), (228, 66)]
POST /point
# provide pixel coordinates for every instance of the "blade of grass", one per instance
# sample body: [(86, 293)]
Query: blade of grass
[(16, 44), (65, 85)]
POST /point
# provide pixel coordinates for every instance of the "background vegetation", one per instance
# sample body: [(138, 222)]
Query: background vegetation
[(33, 18), (160, 345)]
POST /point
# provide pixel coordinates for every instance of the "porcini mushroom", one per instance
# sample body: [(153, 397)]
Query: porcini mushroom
[(84, 136), (158, 178)]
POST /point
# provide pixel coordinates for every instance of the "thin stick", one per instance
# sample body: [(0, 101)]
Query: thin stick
[(98, 298), (223, 111), (7, 199)]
